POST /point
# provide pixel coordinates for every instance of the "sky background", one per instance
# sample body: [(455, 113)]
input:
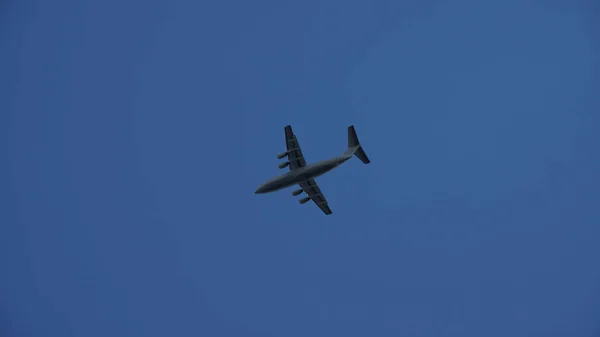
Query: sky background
[(134, 133)]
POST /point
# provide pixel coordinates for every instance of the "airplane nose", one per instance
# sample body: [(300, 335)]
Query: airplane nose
[(260, 189)]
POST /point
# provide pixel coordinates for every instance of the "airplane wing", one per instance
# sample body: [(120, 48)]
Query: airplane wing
[(295, 156), (314, 192)]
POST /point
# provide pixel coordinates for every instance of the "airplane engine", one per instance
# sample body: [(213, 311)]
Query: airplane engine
[(297, 192), (304, 200), (282, 155), (283, 165)]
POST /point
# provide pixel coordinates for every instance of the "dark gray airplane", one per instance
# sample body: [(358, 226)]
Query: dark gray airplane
[(304, 175)]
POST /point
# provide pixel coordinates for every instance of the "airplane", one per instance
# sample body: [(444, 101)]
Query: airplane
[(304, 175)]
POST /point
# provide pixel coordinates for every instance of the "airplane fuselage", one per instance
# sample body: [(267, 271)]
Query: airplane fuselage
[(300, 174)]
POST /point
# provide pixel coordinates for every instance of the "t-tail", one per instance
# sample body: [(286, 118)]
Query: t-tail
[(354, 147)]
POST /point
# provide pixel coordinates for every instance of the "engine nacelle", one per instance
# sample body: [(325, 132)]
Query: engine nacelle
[(283, 165), (304, 200), (297, 192), (282, 155)]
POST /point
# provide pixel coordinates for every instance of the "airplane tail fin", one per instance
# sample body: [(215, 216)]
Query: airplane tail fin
[(354, 147)]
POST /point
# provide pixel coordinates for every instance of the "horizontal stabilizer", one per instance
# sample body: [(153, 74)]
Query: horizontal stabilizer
[(354, 146)]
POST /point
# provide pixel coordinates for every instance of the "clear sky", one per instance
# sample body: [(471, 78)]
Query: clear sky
[(134, 133)]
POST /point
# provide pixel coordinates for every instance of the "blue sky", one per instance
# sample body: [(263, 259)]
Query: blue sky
[(134, 134)]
